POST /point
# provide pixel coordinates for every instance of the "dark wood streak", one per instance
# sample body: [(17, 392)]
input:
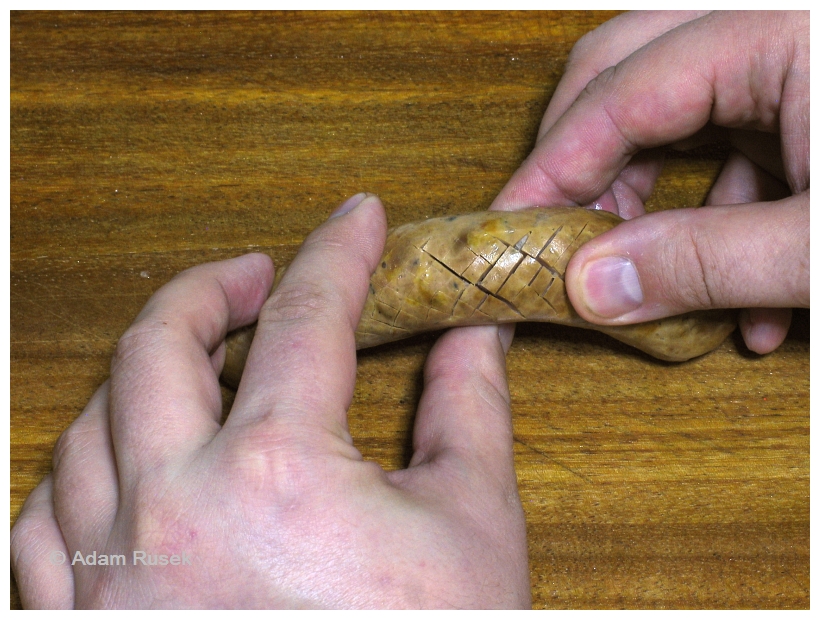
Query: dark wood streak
[(145, 143)]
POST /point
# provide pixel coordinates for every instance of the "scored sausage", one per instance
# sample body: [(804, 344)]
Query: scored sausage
[(497, 267)]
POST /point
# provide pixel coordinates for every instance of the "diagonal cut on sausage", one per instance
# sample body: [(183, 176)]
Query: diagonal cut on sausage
[(497, 267)]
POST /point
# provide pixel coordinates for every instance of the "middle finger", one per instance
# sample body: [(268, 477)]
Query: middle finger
[(301, 367)]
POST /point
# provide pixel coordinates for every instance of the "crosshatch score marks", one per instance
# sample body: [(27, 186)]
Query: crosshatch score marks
[(477, 268), (496, 267)]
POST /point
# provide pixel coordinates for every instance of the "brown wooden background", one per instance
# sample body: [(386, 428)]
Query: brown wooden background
[(142, 144)]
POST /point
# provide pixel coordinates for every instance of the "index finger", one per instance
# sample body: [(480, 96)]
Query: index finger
[(605, 46), (164, 388), (663, 92)]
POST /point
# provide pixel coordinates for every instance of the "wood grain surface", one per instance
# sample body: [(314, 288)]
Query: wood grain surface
[(142, 144)]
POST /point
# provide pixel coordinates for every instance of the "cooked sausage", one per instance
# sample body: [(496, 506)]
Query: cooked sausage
[(497, 267)]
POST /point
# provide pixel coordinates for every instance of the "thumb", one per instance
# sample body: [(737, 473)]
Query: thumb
[(464, 414), (667, 263)]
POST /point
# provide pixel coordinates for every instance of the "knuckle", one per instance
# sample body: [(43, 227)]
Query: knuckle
[(140, 337), (494, 389), (691, 283), (78, 443), (157, 523), (599, 83), (298, 302), (270, 462), (25, 536), (70, 442), (713, 259), (31, 536)]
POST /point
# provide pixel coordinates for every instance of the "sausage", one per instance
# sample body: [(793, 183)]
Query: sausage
[(497, 267)]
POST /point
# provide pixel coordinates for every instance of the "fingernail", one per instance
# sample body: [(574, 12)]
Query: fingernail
[(611, 287), (349, 204), (506, 332)]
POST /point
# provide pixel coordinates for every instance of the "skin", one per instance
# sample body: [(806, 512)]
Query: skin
[(496, 267), (277, 508), (626, 92)]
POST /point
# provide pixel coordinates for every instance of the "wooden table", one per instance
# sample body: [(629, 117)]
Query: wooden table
[(142, 144)]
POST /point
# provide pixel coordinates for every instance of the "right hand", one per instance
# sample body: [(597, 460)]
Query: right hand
[(643, 80)]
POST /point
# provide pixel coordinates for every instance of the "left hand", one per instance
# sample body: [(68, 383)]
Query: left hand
[(277, 508)]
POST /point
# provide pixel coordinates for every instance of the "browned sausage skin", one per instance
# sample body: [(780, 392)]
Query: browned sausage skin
[(497, 267)]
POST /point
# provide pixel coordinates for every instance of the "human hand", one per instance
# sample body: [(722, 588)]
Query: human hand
[(643, 80), (277, 508)]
